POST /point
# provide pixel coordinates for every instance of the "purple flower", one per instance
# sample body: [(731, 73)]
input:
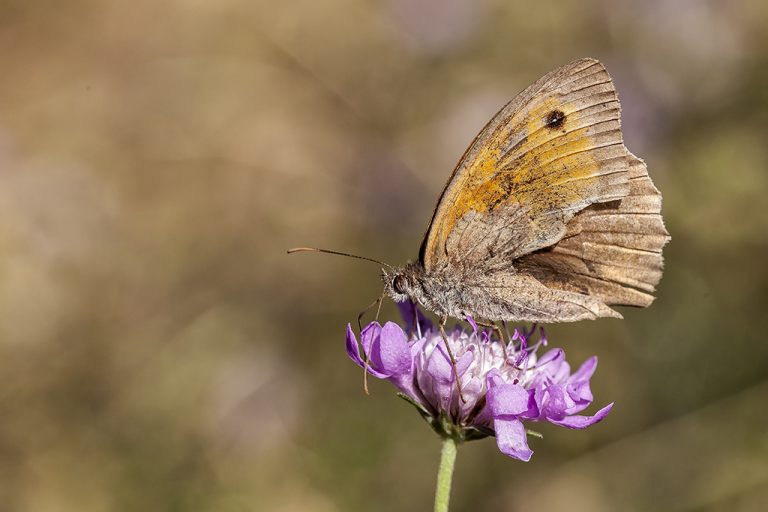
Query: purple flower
[(503, 387)]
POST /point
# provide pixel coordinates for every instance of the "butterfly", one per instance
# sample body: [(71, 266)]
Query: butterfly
[(546, 218)]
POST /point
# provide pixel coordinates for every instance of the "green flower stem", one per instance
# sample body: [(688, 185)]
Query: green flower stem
[(445, 474)]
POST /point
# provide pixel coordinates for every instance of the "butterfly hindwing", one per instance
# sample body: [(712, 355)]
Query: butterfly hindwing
[(611, 250)]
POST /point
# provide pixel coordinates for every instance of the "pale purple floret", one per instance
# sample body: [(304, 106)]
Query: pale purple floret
[(502, 389)]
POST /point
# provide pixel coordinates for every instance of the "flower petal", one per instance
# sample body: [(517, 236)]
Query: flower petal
[(368, 336), (436, 378), (370, 341), (507, 400), (473, 389), (578, 422), (551, 360), (553, 404), (511, 439), (581, 395), (580, 391), (394, 354), (585, 371), (578, 388), (439, 365), (463, 362), (353, 349)]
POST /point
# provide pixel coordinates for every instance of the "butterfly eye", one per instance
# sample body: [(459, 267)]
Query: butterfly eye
[(398, 284)]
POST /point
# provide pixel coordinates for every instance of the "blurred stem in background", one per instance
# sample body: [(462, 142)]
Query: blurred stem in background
[(445, 474)]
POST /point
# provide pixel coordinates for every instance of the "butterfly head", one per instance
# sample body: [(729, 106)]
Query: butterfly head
[(401, 283)]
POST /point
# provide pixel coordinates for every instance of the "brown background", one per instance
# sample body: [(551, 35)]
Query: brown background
[(159, 351)]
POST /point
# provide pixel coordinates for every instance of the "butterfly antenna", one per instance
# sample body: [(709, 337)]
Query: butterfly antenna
[(338, 253)]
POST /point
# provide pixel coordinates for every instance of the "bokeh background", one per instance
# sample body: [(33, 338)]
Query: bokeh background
[(160, 351)]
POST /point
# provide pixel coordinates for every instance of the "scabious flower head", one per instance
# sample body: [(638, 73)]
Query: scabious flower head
[(503, 387)]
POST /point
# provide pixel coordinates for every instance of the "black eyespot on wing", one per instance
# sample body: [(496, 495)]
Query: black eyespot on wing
[(555, 119)]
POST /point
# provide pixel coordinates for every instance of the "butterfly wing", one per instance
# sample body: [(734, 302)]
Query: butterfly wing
[(610, 250), (536, 175)]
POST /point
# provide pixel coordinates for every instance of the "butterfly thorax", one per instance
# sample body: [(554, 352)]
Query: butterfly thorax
[(442, 293)]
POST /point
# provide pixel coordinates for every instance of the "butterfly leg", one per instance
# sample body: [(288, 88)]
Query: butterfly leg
[(443, 320), (370, 306), (367, 355), (499, 333), (494, 328)]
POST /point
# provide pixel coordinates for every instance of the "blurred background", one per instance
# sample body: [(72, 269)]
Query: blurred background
[(159, 350)]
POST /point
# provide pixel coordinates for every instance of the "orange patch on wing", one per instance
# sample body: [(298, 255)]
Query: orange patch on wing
[(549, 169), (557, 168)]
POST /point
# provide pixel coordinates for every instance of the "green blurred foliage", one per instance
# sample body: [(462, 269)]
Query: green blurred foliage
[(158, 349)]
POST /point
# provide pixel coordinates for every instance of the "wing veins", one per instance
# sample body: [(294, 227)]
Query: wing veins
[(577, 78), (609, 81), (509, 167), (544, 127), (612, 264), (550, 162), (505, 168)]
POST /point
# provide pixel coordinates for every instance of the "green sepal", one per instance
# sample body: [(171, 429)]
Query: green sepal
[(414, 403), (425, 414), (475, 433)]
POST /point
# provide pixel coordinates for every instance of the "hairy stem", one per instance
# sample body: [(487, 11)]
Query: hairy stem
[(445, 475)]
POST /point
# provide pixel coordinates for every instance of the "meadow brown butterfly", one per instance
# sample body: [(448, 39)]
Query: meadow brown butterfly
[(547, 216)]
